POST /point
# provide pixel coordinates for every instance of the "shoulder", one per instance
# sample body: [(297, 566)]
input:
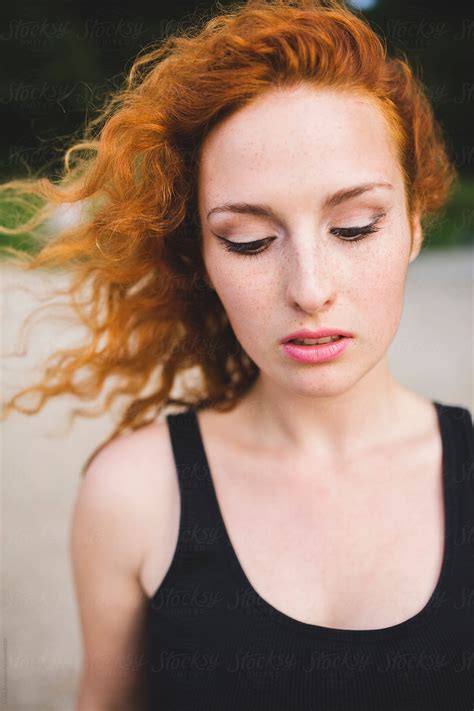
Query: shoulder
[(130, 486), (132, 461), (122, 491), (138, 449)]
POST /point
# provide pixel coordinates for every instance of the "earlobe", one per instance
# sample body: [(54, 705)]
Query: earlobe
[(416, 237)]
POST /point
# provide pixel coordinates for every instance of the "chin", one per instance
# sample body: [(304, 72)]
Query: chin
[(318, 385)]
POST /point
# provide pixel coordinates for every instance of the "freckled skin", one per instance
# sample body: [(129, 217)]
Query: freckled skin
[(290, 149)]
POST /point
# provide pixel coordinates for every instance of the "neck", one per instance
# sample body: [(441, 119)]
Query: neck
[(332, 422)]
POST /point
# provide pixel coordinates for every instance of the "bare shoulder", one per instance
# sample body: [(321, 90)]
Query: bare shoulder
[(126, 491), (133, 480), (132, 458)]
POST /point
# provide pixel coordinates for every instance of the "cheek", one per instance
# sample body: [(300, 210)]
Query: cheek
[(247, 293), (379, 291), (245, 298), (238, 281)]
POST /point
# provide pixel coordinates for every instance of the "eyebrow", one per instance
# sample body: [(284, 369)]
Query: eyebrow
[(245, 208)]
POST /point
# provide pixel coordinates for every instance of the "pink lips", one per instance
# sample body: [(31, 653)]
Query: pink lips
[(316, 354), (320, 333)]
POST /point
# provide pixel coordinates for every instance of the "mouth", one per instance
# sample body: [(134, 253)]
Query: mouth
[(314, 341), (316, 350)]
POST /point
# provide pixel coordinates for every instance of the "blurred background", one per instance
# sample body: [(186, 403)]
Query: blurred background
[(61, 60), (63, 57)]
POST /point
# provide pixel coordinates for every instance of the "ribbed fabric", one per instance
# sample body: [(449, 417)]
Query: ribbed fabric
[(215, 645)]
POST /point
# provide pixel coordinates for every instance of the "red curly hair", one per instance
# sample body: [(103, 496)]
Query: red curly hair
[(149, 311)]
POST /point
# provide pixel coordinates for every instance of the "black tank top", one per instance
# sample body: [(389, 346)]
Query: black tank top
[(215, 645)]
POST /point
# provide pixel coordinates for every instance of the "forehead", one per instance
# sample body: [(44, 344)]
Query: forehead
[(293, 137)]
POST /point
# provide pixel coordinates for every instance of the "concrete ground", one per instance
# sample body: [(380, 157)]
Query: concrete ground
[(41, 459)]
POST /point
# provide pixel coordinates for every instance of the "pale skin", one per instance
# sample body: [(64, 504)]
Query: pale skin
[(330, 452), (327, 475), (271, 153)]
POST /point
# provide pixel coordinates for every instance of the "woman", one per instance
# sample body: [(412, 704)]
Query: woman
[(292, 538)]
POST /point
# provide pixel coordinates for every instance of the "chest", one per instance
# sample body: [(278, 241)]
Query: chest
[(356, 548)]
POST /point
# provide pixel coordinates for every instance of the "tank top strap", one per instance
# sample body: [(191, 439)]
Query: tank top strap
[(201, 532), (459, 472), (460, 460)]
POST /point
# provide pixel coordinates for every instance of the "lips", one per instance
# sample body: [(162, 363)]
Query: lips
[(313, 335), (314, 341), (312, 355)]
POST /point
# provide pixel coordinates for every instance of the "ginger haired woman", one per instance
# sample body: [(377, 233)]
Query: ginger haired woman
[(288, 533)]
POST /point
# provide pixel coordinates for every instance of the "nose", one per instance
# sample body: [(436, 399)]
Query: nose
[(310, 280)]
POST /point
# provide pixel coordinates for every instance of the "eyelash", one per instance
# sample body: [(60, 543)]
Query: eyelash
[(242, 248)]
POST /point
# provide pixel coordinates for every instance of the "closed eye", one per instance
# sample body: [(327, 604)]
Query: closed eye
[(256, 247), (354, 234)]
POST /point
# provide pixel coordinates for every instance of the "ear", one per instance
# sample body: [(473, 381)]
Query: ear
[(416, 237)]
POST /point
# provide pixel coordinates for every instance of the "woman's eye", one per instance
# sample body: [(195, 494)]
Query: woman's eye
[(246, 249), (348, 234), (354, 234)]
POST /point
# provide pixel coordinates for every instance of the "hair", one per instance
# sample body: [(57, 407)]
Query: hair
[(149, 312)]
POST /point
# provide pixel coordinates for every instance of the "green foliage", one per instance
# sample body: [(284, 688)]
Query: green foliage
[(16, 211), (455, 225)]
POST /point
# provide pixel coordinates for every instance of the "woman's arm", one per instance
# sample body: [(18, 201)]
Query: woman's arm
[(106, 545)]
